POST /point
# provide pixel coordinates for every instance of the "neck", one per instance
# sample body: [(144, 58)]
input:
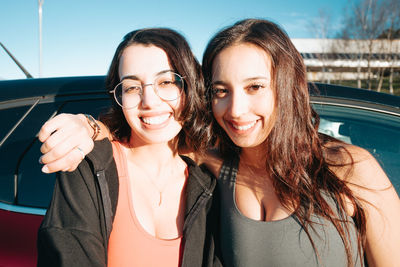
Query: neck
[(253, 156), (155, 158)]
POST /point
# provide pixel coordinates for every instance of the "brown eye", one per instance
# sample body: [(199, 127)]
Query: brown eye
[(219, 92), (255, 88), (132, 89), (166, 83)]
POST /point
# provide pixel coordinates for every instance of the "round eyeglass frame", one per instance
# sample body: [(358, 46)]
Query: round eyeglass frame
[(181, 78)]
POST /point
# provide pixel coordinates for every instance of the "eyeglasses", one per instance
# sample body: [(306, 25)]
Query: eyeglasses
[(167, 85)]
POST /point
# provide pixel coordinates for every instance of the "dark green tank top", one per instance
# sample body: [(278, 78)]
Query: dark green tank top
[(248, 243)]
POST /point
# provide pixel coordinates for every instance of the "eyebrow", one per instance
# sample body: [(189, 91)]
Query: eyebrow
[(245, 80), (136, 78)]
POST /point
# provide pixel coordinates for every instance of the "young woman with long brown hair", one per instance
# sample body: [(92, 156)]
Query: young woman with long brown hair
[(288, 195), (137, 202)]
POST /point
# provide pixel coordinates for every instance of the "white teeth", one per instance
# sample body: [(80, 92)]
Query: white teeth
[(155, 119), (244, 127)]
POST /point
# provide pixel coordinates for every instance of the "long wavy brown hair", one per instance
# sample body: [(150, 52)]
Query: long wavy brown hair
[(195, 118), (296, 157)]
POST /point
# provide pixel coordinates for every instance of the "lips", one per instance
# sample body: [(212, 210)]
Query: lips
[(155, 120), (242, 127)]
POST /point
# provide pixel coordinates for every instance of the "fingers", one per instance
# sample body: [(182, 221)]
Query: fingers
[(61, 137), (67, 163), (61, 147), (52, 125)]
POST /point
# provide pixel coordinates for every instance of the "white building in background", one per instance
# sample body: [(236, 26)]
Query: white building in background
[(336, 59)]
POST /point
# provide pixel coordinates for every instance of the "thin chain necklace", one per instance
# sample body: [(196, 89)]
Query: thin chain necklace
[(160, 192)]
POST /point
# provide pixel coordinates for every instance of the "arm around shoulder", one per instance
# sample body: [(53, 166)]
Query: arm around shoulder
[(67, 138)]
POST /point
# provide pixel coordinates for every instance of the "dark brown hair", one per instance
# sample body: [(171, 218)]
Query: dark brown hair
[(296, 152), (194, 117)]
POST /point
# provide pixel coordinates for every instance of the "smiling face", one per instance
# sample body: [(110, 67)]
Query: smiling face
[(244, 100), (153, 119)]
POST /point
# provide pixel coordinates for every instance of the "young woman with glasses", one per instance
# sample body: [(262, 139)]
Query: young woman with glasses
[(289, 196), (136, 201)]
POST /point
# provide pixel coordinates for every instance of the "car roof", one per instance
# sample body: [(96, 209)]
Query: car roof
[(14, 89), (343, 95)]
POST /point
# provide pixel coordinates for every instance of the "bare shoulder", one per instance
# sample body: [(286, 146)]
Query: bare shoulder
[(356, 166), (367, 171), (211, 159), (381, 204), (377, 196)]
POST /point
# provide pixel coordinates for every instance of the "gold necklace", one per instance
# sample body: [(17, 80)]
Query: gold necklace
[(160, 192)]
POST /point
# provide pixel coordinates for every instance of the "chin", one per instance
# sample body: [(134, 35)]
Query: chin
[(148, 136), (247, 143), (156, 138)]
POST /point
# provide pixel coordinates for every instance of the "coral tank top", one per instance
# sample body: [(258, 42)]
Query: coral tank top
[(129, 243)]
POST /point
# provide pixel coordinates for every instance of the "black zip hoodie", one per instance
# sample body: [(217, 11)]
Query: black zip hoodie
[(78, 223)]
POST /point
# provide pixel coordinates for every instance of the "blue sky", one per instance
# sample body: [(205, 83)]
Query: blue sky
[(79, 36)]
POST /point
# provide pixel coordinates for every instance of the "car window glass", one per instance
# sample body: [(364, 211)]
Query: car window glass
[(35, 188), (7, 121), (377, 132), (18, 142)]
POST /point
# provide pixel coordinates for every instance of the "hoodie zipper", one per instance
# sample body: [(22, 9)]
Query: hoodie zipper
[(107, 207)]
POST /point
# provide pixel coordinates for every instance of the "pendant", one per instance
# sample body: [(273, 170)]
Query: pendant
[(160, 200)]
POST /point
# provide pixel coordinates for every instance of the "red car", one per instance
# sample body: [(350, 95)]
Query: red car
[(18, 233), (25, 192), (364, 118)]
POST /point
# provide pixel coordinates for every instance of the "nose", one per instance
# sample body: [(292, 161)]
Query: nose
[(239, 104), (149, 97)]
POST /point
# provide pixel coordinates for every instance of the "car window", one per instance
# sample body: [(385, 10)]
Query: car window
[(16, 145), (7, 122), (375, 131), (20, 172)]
